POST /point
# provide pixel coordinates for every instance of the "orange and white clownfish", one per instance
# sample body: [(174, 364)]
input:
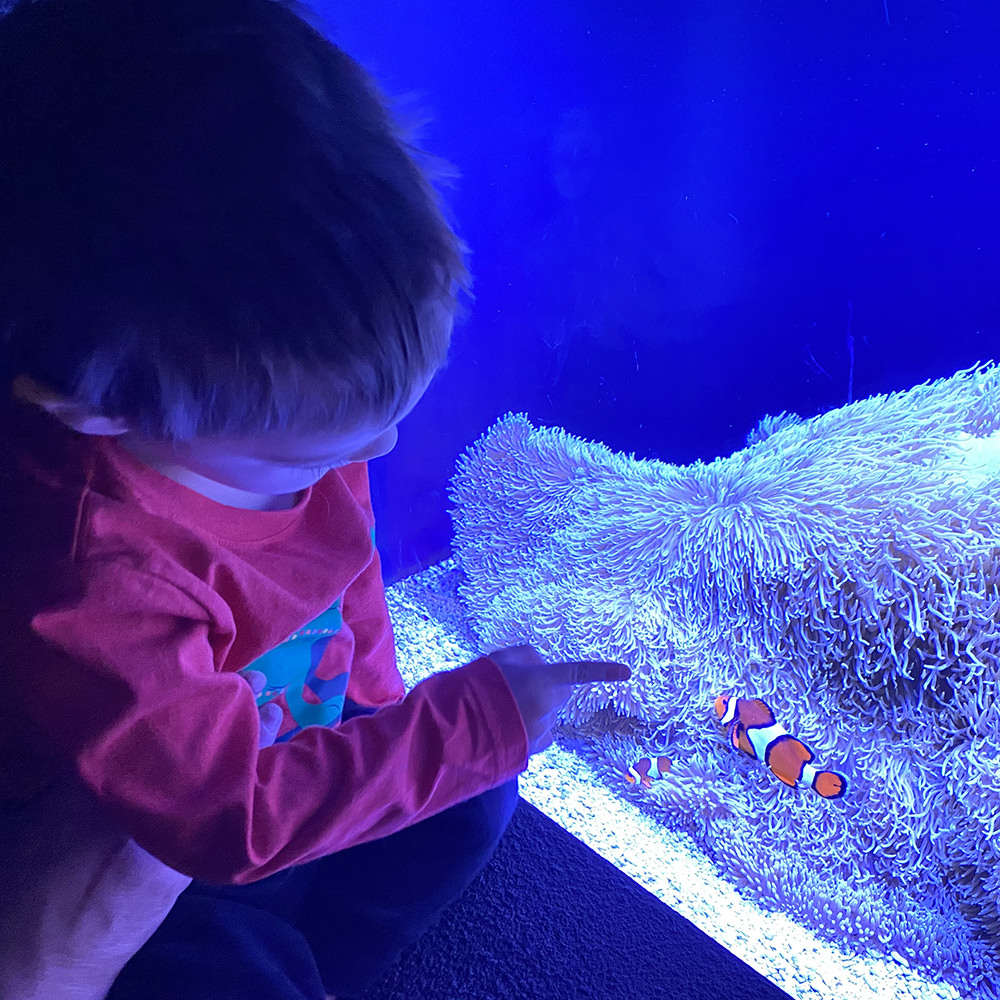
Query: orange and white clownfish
[(753, 729), (644, 770)]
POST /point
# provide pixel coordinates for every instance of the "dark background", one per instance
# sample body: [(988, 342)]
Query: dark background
[(683, 215)]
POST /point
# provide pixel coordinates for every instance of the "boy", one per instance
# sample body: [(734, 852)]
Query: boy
[(224, 279)]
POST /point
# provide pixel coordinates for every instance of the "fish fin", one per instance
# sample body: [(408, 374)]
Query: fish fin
[(735, 731), (830, 784), (758, 707)]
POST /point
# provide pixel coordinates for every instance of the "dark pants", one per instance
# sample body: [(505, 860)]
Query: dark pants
[(335, 925)]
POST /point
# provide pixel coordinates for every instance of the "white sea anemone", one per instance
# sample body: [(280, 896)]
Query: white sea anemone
[(847, 569)]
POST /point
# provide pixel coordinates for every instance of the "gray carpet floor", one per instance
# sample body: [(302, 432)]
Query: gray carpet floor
[(549, 919)]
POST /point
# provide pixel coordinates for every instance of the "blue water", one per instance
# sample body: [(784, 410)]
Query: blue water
[(683, 216)]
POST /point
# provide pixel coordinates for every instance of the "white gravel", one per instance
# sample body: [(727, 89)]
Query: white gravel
[(432, 634)]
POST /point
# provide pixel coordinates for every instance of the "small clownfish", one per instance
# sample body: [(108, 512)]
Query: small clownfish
[(754, 730), (643, 771)]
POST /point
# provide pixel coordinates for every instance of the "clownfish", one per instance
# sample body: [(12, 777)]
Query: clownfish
[(643, 771), (753, 729)]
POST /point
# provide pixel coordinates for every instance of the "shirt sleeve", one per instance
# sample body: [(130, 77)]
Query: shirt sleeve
[(169, 745)]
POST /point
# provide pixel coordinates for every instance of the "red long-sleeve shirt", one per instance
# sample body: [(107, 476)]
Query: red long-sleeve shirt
[(130, 602)]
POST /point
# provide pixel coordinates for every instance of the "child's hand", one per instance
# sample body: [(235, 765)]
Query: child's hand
[(542, 688)]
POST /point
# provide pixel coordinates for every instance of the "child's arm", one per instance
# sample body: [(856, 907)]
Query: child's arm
[(170, 746)]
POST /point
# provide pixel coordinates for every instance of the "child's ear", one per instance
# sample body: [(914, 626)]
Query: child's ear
[(73, 415)]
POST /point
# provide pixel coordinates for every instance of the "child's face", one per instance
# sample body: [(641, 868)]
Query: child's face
[(268, 471), (265, 472)]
